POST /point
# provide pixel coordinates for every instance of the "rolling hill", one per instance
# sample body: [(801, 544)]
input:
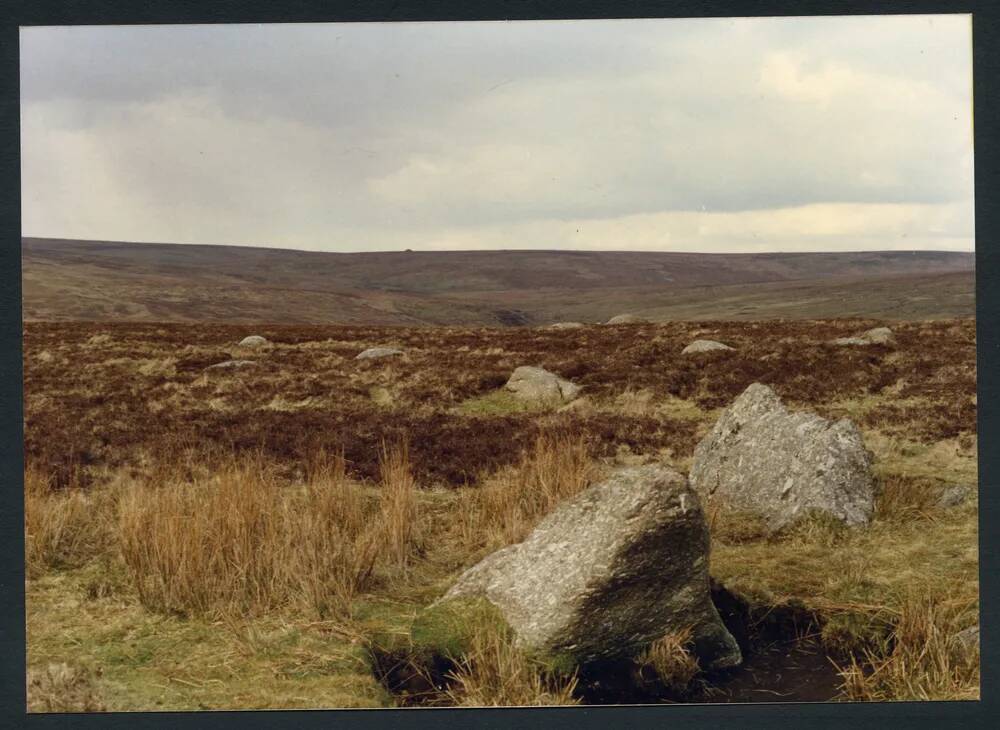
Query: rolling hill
[(106, 280)]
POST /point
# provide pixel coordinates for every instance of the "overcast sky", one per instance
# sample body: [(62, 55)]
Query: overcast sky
[(696, 135)]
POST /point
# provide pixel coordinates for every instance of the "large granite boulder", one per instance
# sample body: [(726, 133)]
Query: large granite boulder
[(627, 319), (539, 385), (253, 341), (704, 346), (608, 572), (781, 466)]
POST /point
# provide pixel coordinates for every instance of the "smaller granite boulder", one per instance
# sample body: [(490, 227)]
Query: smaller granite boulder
[(565, 326), (704, 346), (538, 384), (627, 319), (253, 341), (780, 466), (373, 353)]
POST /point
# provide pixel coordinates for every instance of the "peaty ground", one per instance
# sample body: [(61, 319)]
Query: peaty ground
[(140, 463)]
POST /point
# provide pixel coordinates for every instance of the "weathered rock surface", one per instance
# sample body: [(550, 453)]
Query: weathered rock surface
[(376, 352), (874, 336), (848, 341), (956, 495), (565, 326), (968, 639), (253, 341), (704, 346), (231, 364), (764, 460), (879, 336), (627, 319), (608, 572), (538, 384)]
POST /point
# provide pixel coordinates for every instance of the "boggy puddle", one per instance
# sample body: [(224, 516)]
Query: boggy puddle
[(783, 661)]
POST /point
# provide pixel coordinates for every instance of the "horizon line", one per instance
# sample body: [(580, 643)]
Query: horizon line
[(498, 250)]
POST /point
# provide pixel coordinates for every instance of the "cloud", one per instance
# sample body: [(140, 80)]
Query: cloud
[(794, 133)]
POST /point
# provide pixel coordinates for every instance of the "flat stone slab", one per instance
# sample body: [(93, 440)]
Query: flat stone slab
[(874, 336), (705, 346), (627, 319), (373, 353), (231, 365)]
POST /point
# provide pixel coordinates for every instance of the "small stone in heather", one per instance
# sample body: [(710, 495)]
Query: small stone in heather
[(538, 384), (231, 364), (373, 353), (627, 319), (705, 346), (955, 495)]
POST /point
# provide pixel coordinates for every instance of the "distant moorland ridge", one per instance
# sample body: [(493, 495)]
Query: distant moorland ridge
[(106, 280)]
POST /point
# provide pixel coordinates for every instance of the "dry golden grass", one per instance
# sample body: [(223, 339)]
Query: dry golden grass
[(397, 506), (63, 528), (511, 502), (669, 658), (921, 660), (242, 543), (495, 672), (60, 687)]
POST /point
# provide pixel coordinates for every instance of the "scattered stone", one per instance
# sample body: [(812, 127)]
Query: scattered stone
[(565, 326), (538, 384), (843, 341), (955, 495), (968, 639), (254, 341), (874, 336), (780, 466), (608, 572), (375, 352), (704, 346), (627, 319), (96, 340), (230, 364), (879, 336)]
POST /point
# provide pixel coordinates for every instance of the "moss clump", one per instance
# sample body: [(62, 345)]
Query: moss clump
[(447, 629), (500, 403)]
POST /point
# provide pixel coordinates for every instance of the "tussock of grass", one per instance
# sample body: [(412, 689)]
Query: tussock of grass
[(671, 661), (65, 527), (511, 502), (242, 543), (493, 672), (920, 660), (59, 687)]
